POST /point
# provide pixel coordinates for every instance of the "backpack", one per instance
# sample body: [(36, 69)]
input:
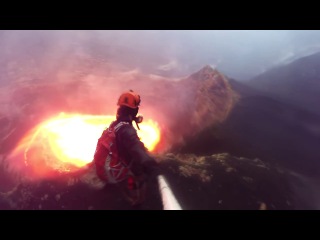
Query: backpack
[(109, 166)]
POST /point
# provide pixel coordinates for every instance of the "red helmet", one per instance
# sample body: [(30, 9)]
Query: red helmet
[(129, 99)]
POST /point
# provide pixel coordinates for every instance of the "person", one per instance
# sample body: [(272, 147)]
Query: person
[(120, 157)]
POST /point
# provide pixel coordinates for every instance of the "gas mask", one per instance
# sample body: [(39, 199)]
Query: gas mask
[(138, 119)]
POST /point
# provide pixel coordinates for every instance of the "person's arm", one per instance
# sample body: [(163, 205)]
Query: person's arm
[(142, 161)]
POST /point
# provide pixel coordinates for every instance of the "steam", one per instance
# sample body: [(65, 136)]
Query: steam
[(238, 54), (43, 73)]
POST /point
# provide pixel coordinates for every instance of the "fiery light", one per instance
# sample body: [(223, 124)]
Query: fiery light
[(70, 140)]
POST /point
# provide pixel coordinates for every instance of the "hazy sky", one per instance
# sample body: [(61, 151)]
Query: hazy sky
[(240, 54)]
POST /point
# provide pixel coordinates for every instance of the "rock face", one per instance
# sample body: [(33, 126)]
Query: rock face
[(259, 126), (210, 99), (191, 104), (219, 181), (223, 181), (68, 193), (297, 83)]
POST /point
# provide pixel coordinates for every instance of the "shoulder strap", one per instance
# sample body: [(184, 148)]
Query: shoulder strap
[(119, 125)]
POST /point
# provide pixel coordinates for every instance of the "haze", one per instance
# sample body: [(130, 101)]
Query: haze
[(239, 54)]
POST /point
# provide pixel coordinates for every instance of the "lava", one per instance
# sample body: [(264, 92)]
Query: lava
[(68, 141)]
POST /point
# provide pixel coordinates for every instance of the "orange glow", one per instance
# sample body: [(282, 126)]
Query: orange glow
[(70, 140)]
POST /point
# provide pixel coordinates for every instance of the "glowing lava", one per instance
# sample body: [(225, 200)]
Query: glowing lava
[(70, 140)]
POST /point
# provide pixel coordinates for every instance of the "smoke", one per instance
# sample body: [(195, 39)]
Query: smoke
[(240, 54), (43, 73), (85, 71)]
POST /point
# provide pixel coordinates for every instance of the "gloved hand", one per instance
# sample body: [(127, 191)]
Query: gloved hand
[(151, 168)]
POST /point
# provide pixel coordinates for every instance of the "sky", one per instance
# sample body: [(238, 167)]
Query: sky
[(239, 54)]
